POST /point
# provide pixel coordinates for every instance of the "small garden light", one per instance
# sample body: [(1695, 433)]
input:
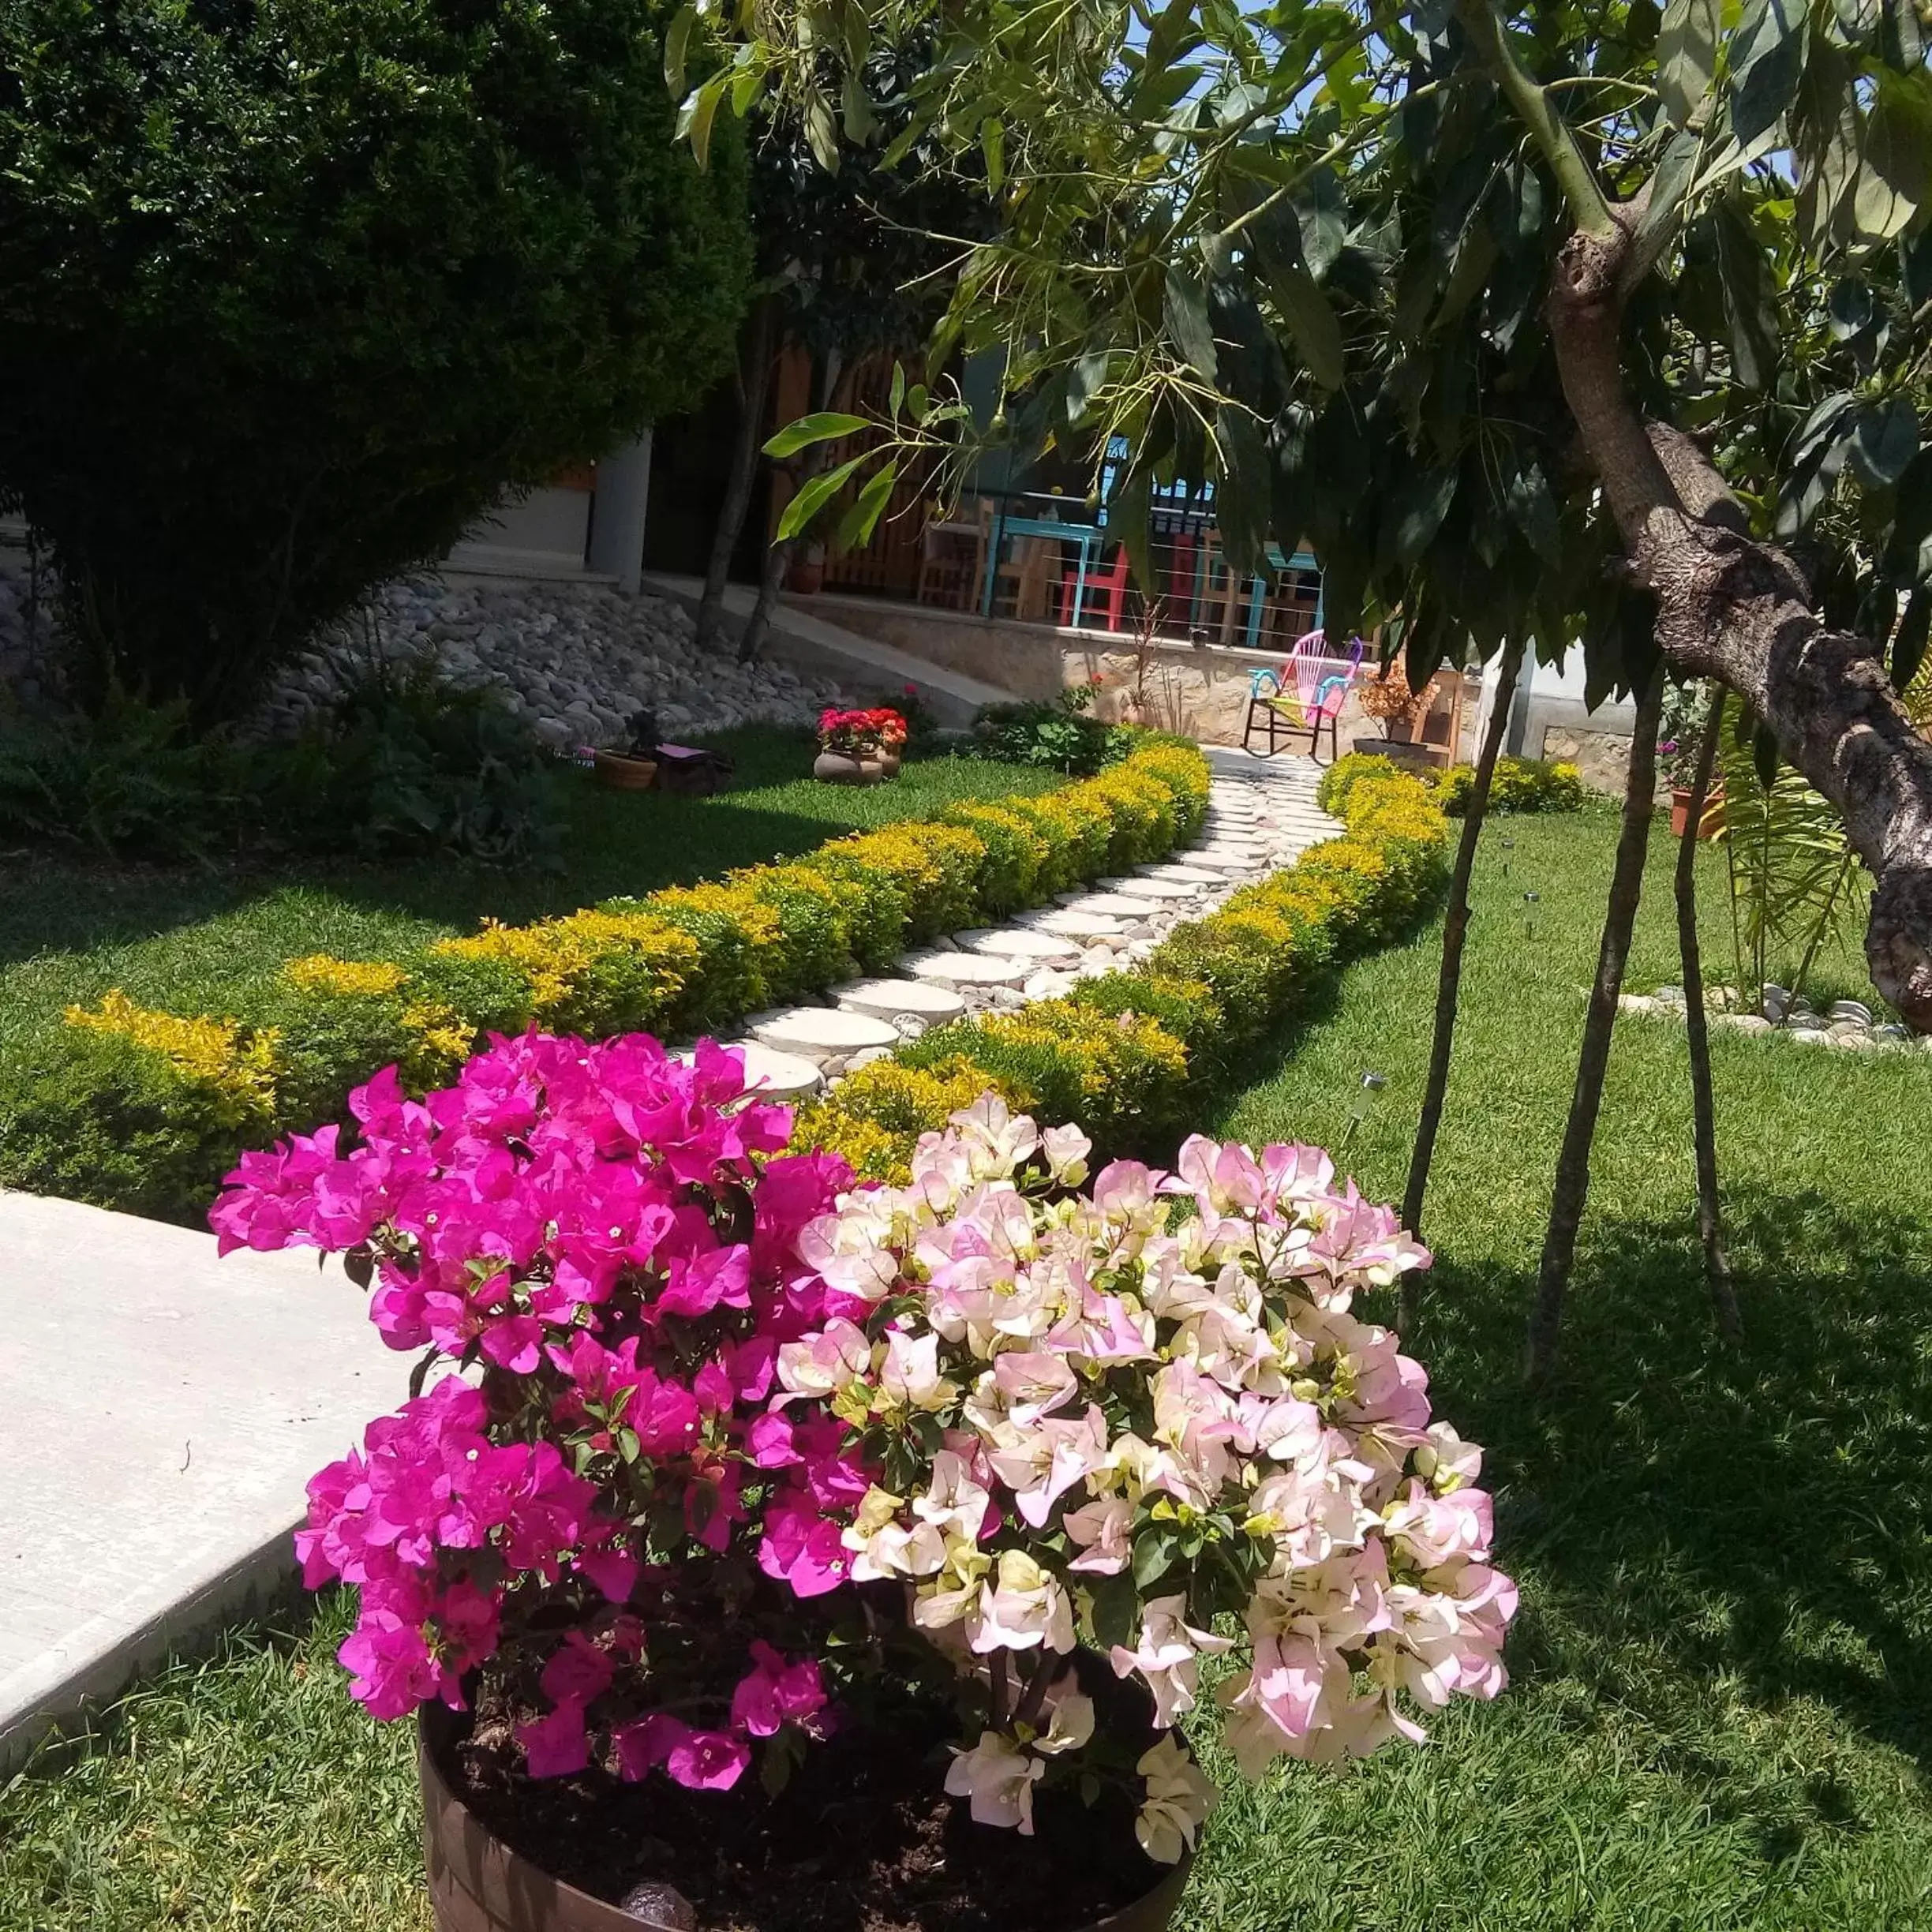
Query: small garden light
[(1371, 1085), (1530, 901), (1509, 845)]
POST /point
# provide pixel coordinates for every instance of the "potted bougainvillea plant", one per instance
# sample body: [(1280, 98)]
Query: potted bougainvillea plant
[(760, 1550), (859, 746)]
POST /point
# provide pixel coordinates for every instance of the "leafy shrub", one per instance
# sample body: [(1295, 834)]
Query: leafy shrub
[(291, 290), (132, 782), (1039, 733), (402, 765), (97, 1117), (1517, 786), (696, 958)]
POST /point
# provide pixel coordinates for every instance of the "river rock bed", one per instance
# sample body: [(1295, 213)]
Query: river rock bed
[(1845, 1023), (575, 660)]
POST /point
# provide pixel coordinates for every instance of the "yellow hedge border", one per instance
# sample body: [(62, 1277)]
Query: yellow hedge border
[(683, 961)]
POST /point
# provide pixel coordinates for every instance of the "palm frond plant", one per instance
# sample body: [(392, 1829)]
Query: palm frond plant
[(1795, 882)]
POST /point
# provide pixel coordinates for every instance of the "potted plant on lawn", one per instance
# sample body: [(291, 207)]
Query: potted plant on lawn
[(1687, 712), (1385, 696), (859, 746), (634, 767), (788, 1553)]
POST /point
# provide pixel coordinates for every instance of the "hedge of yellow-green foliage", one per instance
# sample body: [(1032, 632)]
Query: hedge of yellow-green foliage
[(1131, 1056), (145, 1110), (1517, 785)]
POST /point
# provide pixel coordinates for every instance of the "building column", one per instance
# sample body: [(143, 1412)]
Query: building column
[(618, 511)]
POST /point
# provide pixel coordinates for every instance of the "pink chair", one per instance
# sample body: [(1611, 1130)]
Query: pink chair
[(1107, 594)]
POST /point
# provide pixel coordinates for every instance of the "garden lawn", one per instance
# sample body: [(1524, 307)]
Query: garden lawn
[(1722, 1711), (208, 942), (1722, 1699)]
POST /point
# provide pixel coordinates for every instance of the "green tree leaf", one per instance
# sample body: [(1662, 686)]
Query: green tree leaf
[(1687, 58), (1183, 308), (861, 518), (1767, 60), (1885, 440), (826, 426), (814, 495)]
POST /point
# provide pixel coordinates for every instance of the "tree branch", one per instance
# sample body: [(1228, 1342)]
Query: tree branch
[(1574, 175)]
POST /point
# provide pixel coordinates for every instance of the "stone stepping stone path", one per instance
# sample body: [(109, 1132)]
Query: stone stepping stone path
[(828, 1036), (1165, 891), (968, 969), (1112, 905), (1193, 875), (1081, 925), (1022, 942), (924, 1002)]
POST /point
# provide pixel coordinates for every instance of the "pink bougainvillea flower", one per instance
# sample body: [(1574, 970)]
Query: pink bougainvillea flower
[(777, 1693), (708, 1760), (558, 1744)]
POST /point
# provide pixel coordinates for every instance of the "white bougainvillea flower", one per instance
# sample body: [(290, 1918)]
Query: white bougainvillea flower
[(1099, 1529), (1179, 1799), (1065, 1149), (954, 1502), (996, 1140), (908, 1371), (1021, 1606), (825, 1363), (998, 1779), (1168, 1656), (1069, 1716)]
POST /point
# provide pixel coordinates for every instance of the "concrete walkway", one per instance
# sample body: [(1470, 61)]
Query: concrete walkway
[(161, 1415)]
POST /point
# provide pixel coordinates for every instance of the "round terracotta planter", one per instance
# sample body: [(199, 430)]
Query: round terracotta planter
[(842, 768), (1680, 813), (477, 1883), (624, 774)]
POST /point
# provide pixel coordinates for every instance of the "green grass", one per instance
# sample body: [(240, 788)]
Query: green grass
[(1722, 1712), (209, 941), (244, 1792)]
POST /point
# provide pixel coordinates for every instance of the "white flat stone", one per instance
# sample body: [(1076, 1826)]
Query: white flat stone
[(1114, 905), (1080, 925), (925, 1000), (176, 1406), (823, 1033), (1185, 874), (1171, 892), (969, 969), (1021, 942), (776, 1075)]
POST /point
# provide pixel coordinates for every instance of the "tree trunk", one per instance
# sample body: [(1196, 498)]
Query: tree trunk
[(818, 456), (1739, 611), (754, 371), (1572, 1183), (1703, 1108), (1449, 979)]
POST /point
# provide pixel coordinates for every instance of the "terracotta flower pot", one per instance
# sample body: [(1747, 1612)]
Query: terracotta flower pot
[(1680, 813), (477, 1883), (622, 772), (850, 768), (889, 763)]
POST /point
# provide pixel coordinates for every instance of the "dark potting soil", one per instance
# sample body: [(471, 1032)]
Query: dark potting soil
[(862, 1839)]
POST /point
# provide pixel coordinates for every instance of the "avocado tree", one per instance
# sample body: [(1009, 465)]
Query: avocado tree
[(1496, 306)]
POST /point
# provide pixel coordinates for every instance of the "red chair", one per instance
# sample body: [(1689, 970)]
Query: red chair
[(1107, 593)]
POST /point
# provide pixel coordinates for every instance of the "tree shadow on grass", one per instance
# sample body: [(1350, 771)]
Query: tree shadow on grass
[(1764, 1517)]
